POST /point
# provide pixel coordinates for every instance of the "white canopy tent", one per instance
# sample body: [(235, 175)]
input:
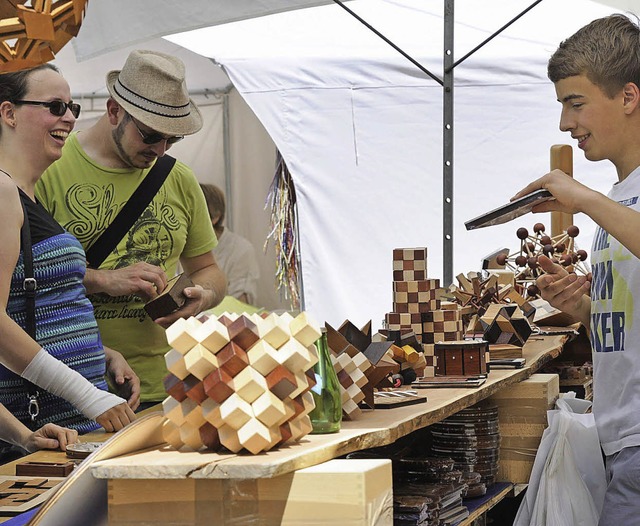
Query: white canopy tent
[(361, 129)]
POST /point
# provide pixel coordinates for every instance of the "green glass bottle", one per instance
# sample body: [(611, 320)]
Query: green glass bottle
[(327, 415)]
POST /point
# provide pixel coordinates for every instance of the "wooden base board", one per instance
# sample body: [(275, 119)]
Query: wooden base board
[(354, 492)]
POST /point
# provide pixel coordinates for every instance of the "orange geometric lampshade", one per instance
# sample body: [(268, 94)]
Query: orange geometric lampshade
[(31, 35)]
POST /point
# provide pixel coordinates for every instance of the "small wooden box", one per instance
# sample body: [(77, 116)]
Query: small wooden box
[(170, 299), (44, 469), (461, 358)]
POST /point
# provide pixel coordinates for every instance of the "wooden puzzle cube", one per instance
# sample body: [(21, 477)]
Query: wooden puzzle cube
[(240, 382), (505, 324)]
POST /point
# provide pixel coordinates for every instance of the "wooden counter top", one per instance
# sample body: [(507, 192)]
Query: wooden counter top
[(372, 429)]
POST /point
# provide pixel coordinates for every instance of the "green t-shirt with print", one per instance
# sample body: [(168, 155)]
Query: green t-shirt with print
[(84, 197)]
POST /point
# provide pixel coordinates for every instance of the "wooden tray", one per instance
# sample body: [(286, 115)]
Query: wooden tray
[(399, 398)]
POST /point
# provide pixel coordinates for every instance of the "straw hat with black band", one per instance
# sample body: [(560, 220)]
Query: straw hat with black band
[(151, 88)]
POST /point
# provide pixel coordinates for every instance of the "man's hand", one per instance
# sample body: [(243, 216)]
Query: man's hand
[(50, 436), (564, 290), (124, 381), (198, 299), (143, 279), (116, 418)]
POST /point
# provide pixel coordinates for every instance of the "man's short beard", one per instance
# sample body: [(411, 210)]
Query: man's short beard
[(117, 136)]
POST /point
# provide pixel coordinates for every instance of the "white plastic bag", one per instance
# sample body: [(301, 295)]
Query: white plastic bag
[(568, 480)]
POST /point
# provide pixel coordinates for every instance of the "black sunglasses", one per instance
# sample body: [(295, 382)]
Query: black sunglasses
[(155, 137), (56, 107)]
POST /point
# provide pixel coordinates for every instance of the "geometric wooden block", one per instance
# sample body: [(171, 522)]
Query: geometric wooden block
[(217, 385), (243, 332), (345, 362), (281, 382), (359, 378), (269, 409), (300, 427), (276, 331), (302, 383), (211, 412), (249, 384), (232, 358), (350, 410), (354, 336), (213, 335), (308, 402), (172, 409), (338, 343), (174, 387), (190, 436), (174, 361), (255, 436), (297, 405), (181, 334), (235, 411), (345, 379), (505, 324), (235, 388), (192, 413), (304, 329), (171, 434), (229, 438), (194, 389), (200, 361), (262, 357), (294, 355), (209, 437), (285, 433)]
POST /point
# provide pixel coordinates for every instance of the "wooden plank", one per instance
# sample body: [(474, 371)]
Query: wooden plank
[(561, 158), (356, 492), (374, 428)]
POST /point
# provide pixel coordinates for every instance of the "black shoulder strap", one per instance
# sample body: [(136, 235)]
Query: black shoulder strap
[(144, 194), (29, 286)]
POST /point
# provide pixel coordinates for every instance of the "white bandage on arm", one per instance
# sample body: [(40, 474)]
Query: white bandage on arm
[(51, 374)]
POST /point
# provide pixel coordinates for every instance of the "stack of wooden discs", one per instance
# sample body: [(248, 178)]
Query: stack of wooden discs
[(471, 438)]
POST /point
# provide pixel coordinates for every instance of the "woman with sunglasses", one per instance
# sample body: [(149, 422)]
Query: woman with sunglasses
[(58, 376)]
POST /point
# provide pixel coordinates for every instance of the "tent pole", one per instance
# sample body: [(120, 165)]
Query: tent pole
[(226, 145), (447, 145)]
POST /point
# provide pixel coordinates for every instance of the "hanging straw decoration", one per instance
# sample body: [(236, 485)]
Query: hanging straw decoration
[(283, 231)]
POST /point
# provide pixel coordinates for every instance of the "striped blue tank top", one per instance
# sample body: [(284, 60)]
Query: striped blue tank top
[(65, 324)]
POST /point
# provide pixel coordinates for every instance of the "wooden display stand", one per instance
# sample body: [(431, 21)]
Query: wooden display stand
[(359, 492), (192, 476)]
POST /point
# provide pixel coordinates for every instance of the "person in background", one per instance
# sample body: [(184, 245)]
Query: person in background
[(596, 73), (65, 360), (234, 254), (49, 436), (148, 111)]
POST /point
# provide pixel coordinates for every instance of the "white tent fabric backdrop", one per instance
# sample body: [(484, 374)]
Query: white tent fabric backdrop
[(361, 129)]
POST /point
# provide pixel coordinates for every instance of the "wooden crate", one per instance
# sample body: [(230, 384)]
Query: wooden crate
[(522, 414), (354, 492)]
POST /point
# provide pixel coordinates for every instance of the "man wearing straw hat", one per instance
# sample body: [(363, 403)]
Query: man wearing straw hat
[(149, 109)]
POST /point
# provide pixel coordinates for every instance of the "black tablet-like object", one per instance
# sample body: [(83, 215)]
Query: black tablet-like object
[(510, 211)]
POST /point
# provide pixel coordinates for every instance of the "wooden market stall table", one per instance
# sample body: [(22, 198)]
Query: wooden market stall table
[(181, 480)]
